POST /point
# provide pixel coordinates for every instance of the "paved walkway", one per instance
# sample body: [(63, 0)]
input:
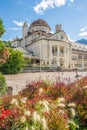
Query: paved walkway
[(19, 81)]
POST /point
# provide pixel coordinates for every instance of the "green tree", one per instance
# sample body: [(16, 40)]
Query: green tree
[(4, 54), (2, 30), (3, 85), (7, 43), (14, 64)]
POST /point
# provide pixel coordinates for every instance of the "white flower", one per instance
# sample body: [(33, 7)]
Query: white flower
[(40, 91), (14, 102), (23, 119), (73, 123), (26, 128), (32, 128), (44, 123), (61, 100), (85, 87), (71, 105), (36, 117), (62, 111), (61, 105), (45, 105), (27, 113), (73, 112), (23, 100)]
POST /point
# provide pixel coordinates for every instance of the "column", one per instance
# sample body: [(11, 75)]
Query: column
[(58, 56), (50, 54)]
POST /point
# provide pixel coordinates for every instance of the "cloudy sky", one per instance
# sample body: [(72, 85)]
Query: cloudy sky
[(72, 14)]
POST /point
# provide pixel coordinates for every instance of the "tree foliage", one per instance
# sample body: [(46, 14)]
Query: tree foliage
[(7, 43), (3, 85), (2, 30), (4, 55), (14, 64)]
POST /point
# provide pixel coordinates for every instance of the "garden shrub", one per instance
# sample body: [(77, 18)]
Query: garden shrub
[(46, 106), (3, 85), (4, 55), (14, 64)]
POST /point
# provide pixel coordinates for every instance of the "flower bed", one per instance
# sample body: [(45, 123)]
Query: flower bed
[(46, 106)]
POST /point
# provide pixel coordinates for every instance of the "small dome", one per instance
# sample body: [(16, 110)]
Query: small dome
[(40, 22)]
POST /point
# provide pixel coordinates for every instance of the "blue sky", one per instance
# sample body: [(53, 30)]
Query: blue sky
[(72, 14)]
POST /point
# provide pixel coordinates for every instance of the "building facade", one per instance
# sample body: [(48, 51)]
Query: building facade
[(49, 49)]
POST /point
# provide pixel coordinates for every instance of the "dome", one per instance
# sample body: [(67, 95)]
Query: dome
[(40, 22)]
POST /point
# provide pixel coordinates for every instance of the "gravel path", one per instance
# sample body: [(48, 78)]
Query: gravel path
[(19, 81)]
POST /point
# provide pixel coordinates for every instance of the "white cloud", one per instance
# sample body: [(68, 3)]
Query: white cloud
[(83, 29), (82, 34), (71, 1), (47, 4), (52, 32), (16, 29), (20, 23)]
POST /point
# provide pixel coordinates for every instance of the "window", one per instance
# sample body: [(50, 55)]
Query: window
[(62, 51), (61, 62), (37, 28), (80, 56), (54, 61), (47, 62), (61, 37), (80, 65), (42, 29), (85, 56), (54, 50)]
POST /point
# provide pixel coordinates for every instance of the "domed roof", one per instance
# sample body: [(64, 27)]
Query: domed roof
[(40, 22)]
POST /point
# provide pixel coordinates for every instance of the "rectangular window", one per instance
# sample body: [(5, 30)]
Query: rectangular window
[(61, 51), (54, 50), (85, 56), (80, 56)]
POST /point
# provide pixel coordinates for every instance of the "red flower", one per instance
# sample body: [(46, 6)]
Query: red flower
[(4, 114)]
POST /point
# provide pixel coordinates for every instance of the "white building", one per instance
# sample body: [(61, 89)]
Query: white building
[(51, 49)]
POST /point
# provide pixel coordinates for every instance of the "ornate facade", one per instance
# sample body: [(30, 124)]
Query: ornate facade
[(49, 49)]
